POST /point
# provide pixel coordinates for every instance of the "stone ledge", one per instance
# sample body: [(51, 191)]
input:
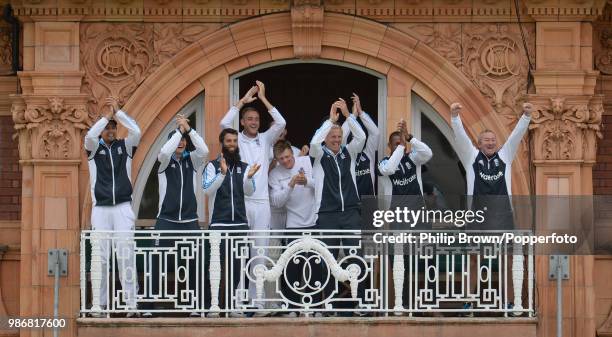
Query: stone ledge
[(267, 321), (319, 327)]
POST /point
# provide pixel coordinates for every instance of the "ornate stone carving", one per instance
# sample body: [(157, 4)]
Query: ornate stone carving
[(603, 58), (116, 58), (6, 50), (170, 38), (566, 128), (307, 28), (49, 128), (443, 38), (495, 60)]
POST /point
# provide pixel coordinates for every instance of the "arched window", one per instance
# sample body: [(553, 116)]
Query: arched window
[(146, 189), (444, 171)]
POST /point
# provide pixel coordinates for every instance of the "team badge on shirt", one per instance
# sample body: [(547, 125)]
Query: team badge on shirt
[(408, 166), (496, 161), (342, 156), (103, 153), (239, 170), (481, 162), (119, 150)]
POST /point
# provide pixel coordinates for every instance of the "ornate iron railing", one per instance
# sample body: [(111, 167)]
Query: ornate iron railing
[(210, 272)]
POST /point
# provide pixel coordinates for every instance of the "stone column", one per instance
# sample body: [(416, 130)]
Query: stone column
[(50, 117), (564, 132)]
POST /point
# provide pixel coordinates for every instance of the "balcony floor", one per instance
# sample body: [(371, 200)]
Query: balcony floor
[(319, 327)]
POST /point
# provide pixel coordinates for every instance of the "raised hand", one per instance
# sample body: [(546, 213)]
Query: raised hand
[(356, 105), (343, 107), (404, 130), (223, 165), (183, 123), (527, 109), (261, 92), (249, 96), (401, 130), (333, 112), (455, 109), (254, 168), (113, 103), (304, 151)]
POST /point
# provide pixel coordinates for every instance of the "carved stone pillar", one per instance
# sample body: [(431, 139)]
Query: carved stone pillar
[(564, 131), (50, 117)]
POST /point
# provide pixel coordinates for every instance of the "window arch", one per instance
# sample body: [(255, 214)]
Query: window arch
[(444, 171)]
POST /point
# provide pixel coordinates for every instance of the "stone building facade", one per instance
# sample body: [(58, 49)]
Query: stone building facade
[(158, 55)]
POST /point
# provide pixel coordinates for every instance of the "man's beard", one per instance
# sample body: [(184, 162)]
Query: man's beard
[(231, 158)]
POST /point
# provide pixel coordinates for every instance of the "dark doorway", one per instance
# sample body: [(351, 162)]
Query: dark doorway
[(304, 92)]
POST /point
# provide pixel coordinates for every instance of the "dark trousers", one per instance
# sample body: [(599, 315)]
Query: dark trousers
[(301, 275), (228, 277), (350, 219), (183, 263)]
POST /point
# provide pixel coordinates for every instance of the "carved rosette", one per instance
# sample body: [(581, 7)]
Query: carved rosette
[(603, 51), (170, 38), (307, 28), (50, 127), (566, 128), (116, 58), (495, 60)]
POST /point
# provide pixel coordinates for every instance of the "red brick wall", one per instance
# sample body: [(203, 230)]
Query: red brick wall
[(10, 172), (602, 172)]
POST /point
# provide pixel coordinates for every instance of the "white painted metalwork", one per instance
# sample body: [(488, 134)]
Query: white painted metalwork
[(361, 277)]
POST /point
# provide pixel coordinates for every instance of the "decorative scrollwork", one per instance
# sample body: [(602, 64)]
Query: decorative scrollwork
[(54, 127), (566, 130)]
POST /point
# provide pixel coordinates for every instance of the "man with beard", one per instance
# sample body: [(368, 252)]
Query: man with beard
[(255, 147), (364, 165), (488, 171), (179, 161), (336, 199), (110, 162), (226, 182)]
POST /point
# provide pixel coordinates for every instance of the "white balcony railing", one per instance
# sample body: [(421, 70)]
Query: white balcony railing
[(210, 272)]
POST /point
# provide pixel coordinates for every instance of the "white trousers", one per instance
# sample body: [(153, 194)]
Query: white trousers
[(113, 218), (278, 220), (258, 215)]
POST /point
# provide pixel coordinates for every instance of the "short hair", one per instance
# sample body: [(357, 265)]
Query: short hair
[(225, 132), (247, 109), (280, 147), (112, 122), (483, 132), (393, 134)]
